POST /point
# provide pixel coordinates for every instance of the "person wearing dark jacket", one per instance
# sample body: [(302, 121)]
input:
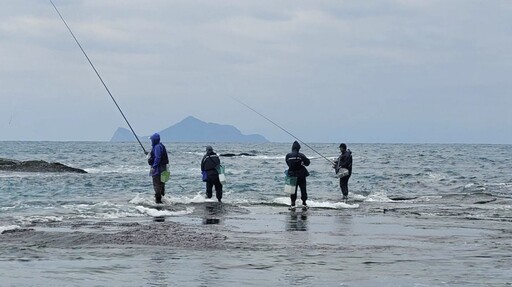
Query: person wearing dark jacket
[(158, 161), (344, 161), (209, 164), (297, 163)]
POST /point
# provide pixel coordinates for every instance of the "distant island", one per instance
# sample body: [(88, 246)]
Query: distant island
[(192, 129)]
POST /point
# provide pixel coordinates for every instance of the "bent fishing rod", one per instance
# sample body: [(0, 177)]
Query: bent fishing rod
[(292, 135), (98, 74)]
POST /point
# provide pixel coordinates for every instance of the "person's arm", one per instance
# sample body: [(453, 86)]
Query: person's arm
[(158, 156), (203, 163), (305, 160), (286, 160), (345, 161)]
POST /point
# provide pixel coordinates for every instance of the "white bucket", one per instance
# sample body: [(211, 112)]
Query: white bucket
[(290, 189), (290, 182), (222, 178)]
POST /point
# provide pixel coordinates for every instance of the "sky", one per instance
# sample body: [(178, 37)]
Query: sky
[(326, 71)]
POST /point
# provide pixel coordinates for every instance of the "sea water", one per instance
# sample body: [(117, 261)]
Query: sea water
[(417, 215)]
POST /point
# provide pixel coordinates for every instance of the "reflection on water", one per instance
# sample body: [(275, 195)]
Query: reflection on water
[(297, 221), (159, 219), (157, 270), (212, 212)]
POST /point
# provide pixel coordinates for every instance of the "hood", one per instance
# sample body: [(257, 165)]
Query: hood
[(209, 149), (155, 139), (295, 146)]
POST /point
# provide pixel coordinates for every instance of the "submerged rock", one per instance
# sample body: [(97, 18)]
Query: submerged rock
[(36, 166), (234, 154)]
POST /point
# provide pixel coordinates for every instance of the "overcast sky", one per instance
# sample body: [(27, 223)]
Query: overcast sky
[(328, 71)]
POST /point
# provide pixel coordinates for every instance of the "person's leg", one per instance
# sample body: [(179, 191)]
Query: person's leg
[(303, 191), (293, 196), (209, 188), (157, 186), (218, 189), (344, 186)]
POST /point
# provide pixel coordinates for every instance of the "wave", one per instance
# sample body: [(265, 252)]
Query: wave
[(317, 204), (159, 213), (129, 169), (8, 228)]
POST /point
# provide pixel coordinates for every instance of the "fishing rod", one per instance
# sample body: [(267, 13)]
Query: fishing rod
[(271, 121), (98, 74)]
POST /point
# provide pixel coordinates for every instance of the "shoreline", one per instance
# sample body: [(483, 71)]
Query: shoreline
[(317, 247)]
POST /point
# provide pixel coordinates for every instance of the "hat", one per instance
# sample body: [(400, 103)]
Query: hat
[(295, 145), (209, 148)]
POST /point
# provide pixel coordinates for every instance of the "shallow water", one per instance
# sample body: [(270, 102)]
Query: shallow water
[(418, 215)]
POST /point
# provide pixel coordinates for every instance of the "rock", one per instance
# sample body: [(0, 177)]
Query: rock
[(36, 166), (233, 154)]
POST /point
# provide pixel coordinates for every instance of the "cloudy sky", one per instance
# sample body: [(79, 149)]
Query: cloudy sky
[(328, 71)]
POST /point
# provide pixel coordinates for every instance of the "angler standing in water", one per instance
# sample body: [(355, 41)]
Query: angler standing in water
[(158, 161), (297, 163), (344, 161), (209, 166)]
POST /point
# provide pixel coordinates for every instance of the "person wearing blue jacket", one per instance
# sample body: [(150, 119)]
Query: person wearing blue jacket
[(297, 163), (158, 161)]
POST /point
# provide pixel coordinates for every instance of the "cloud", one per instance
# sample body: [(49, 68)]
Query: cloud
[(397, 71)]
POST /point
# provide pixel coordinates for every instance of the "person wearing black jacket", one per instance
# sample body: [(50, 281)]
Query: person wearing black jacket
[(297, 163), (344, 161), (209, 164)]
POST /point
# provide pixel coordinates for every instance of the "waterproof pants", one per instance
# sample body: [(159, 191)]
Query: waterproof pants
[(159, 188), (214, 181), (344, 185), (301, 183)]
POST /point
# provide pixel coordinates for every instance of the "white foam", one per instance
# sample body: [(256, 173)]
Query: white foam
[(154, 212), (378, 197), (469, 185), (199, 197), (266, 157), (141, 200), (39, 219), (8, 227), (333, 205), (126, 169), (318, 204)]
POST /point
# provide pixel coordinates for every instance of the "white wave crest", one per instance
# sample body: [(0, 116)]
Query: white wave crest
[(155, 213), (318, 204), (8, 227), (378, 197)]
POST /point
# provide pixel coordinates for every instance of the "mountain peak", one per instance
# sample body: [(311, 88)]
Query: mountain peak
[(192, 129), (190, 119)]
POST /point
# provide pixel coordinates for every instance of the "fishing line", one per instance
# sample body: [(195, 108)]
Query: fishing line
[(271, 121), (94, 68)]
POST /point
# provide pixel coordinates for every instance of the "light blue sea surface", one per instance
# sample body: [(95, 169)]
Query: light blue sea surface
[(417, 215)]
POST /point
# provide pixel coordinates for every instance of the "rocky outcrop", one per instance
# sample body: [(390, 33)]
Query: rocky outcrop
[(36, 166), (236, 154)]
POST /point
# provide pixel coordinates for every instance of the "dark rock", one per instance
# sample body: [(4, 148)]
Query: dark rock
[(36, 166), (233, 154), (246, 154), (16, 230)]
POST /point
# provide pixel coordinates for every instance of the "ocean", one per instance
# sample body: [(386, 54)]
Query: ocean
[(417, 215)]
